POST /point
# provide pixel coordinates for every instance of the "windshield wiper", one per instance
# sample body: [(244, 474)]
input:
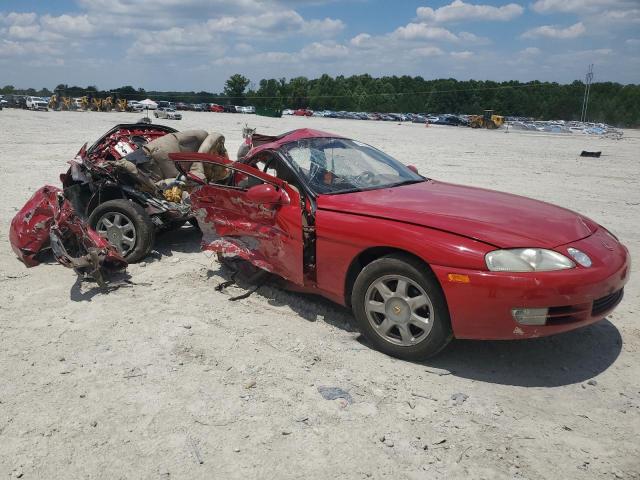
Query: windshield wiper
[(346, 190), (405, 182)]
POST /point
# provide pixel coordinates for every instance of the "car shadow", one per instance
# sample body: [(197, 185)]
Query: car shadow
[(273, 289), (185, 239), (84, 289), (554, 361), (562, 359)]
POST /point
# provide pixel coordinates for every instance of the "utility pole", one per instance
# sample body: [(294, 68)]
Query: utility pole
[(588, 79)]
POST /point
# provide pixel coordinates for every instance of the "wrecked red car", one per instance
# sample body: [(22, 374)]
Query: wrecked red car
[(419, 261)]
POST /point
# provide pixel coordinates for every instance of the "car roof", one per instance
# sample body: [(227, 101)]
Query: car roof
[(292, 136)]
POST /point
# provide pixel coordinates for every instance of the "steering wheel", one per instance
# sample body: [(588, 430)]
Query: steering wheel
[(365, 177)]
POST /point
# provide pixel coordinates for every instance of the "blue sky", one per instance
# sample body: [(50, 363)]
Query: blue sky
[(198, 44)]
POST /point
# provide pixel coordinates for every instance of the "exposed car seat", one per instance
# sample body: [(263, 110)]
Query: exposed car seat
[(200, 141)]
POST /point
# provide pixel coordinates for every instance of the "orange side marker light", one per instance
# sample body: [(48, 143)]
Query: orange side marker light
[(458, 278)]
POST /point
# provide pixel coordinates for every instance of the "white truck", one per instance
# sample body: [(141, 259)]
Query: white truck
[(37, 103)]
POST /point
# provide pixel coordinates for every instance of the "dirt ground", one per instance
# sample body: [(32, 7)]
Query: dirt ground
[(167, 379)]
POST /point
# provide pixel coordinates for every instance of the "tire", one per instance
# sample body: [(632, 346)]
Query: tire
[(422, 326), (137, 240)]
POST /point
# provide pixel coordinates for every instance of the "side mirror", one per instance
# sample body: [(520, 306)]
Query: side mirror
[(413, 168), (265, 193)]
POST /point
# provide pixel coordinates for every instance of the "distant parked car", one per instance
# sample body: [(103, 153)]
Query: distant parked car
[(168, 113), (287, 111), (245, 109), (303, 112), (37, 103), (216, 108), (132, 105), (182, 106), (230, 109)]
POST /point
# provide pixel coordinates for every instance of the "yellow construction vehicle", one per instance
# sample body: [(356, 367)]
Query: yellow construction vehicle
[(96, 104), (488, 120), (53, 101), (121, 105), (66, 103), (107, 104)]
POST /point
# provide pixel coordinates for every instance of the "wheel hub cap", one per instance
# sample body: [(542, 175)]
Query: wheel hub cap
[(119, 230), (399, 310)]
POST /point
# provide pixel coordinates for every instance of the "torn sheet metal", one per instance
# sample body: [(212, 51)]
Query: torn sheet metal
[(48, 219), (29, 231), (216, 238)]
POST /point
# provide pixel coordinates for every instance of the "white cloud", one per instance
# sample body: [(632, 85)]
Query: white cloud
[(427, 51), (20, 19), (324, 50), (462, 55), (10, 48), (279, 22), (473, 38), (594, 11), (421, 31), (23, 32), (530, 51), (576, 6), (363, 40), (551, 31), (458, 11), (68, 24)]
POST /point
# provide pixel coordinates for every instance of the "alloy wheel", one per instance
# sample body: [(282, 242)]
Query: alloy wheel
[(119, 230), (399, 310)]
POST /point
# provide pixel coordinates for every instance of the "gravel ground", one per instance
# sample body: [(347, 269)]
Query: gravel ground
[(167, 379)]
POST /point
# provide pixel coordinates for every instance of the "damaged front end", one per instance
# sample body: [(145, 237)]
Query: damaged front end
[(49, 220), (60, 219)]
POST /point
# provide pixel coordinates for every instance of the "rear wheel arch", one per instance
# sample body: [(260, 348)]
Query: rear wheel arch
[(371, 254), (103, 195)]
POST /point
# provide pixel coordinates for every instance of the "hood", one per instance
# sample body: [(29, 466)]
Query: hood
[(500, 219)]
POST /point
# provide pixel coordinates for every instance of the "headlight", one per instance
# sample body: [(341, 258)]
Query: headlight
[(527, 260), (580, 257)]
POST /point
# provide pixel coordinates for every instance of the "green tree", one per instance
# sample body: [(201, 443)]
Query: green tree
[(234, 88)]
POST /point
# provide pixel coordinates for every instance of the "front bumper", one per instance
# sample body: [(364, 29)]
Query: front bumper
[(482, 307)]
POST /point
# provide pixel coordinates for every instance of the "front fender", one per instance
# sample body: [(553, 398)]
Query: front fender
[(343, 237)]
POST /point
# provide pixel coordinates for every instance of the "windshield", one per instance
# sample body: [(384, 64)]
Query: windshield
[(336, 165)]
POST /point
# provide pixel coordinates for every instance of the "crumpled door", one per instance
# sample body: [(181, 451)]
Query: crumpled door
[(267, 235)]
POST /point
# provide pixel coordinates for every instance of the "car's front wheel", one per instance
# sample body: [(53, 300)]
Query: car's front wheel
[(126, 226), (399, 306)]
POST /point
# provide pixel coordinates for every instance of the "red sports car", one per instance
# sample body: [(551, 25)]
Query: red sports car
[(419, 261)]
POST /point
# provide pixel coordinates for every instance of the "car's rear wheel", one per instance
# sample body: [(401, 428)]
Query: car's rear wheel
[(126, 226), (399, 306)]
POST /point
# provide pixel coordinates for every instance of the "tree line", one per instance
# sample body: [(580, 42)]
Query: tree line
[(609, 102)]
